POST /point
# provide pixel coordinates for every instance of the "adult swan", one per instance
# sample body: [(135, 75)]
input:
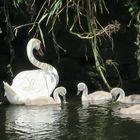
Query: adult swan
[(32, 84)]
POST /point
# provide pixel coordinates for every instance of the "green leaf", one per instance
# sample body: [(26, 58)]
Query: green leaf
[(0, 31)]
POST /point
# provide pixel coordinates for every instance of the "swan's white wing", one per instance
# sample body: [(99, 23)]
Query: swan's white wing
[(132, 99), (34, 83), (100, 95), (8, 89), (11, 94)]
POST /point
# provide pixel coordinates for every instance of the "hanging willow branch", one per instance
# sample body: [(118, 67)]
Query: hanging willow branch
[(50, 13), (138, 40), (9, 38), (92, 27), (95, 30), (98, 60)]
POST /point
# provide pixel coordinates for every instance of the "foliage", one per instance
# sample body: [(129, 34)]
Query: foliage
[(138, 39), (9, 70), (52, 12), (0, 31), (133, 8), (18, 2)]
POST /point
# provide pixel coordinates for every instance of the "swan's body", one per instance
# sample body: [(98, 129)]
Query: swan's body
[(49, 100), (33, 83), (119, 94), (95, 97), (132, 110)]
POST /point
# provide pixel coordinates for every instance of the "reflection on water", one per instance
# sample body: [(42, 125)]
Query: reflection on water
[(36, 122), (94, 120), (116, 112), (73, 121)]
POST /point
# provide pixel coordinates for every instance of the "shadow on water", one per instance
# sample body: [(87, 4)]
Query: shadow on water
[(72, 121)]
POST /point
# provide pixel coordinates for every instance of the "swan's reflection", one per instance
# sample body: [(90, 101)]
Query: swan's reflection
[(35, 122), (94, 117), (102, 103), (133, 117)]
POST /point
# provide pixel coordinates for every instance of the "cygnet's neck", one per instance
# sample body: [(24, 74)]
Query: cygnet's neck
[(56, 97), (85, 92), (122, 96)]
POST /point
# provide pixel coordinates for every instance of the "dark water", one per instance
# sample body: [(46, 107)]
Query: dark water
[(72, 121)]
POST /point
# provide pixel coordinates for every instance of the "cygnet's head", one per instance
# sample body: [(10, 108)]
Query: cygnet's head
[(116, 92), (61, 91), (80, 87)]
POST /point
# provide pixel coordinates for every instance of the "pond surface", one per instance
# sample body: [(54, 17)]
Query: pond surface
[(72, 121)]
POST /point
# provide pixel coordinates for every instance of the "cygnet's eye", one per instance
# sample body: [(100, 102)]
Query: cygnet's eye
[(64, 93)]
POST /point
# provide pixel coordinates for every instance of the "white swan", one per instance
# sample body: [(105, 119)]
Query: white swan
[(33, 83), (119, 95), (44, 100), (95, 97)]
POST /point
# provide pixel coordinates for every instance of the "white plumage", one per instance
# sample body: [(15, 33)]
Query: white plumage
[(96, 97), (119, 95), (44, 100), (32, 84)]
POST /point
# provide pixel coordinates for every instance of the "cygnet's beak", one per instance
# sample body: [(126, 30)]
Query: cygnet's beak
[(64, 99), (78, 92), (114, 98)]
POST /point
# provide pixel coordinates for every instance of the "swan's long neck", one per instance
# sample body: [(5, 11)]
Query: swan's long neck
[(56, 97), (85, 92), (34, 61), (122, 95)]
